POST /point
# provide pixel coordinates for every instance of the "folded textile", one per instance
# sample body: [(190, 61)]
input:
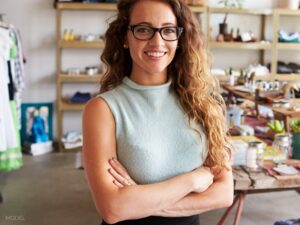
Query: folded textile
[(80, 97), (288, 37)]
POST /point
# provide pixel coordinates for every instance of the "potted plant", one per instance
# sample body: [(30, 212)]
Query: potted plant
[(223, 27), (295, 130)]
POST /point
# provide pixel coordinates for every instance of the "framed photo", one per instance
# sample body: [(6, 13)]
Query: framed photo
[(36, 120)]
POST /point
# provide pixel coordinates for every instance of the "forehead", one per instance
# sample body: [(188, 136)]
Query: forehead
[(153, 12)]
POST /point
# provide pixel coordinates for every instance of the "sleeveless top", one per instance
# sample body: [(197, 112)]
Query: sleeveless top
[(154, 138)]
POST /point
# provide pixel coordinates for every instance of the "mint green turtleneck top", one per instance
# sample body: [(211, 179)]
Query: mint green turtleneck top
[(154, 139)]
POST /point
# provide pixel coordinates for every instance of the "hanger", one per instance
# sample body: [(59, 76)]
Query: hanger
[(2, 23)]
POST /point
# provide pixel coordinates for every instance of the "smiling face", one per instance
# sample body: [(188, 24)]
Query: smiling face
[(151, 58)]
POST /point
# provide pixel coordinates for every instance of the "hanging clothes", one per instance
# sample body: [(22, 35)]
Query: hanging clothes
[(11, 85), (8, 138)]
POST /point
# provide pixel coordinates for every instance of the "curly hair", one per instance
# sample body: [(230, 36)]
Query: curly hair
[(197, 90)]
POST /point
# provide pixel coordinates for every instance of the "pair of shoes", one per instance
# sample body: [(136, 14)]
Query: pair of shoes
[(283, 68), (80, 97)]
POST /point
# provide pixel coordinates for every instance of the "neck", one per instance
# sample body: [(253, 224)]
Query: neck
[(149, 79)]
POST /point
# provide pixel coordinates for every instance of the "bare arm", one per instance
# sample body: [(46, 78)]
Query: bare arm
[(131, 202), (218, 195)]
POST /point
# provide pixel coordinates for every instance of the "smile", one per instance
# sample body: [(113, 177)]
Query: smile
[(156, 54)]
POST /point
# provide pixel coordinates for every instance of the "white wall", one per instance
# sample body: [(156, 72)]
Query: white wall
[(36, 21)]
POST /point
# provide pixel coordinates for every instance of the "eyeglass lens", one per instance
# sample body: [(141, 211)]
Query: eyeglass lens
[(146, 32)]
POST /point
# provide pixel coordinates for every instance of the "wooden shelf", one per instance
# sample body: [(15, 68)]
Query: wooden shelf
[(82, 78), (240, 45), (226, 78), (288, 46), (287, 12), (287, 77), (87, 6), (241, 11), (65, 106), (81, 44), (197, 9)]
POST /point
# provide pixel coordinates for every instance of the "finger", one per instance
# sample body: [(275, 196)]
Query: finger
[(119, 168), (118, 177), (118, 184)]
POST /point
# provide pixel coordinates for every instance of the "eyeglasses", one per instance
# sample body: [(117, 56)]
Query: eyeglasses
[(144, 33)]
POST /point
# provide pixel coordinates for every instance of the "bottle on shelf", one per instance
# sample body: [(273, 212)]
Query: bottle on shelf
[(254, 156), (231, 77)]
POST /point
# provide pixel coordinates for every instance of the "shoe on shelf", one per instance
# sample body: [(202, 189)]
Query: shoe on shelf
[(294, 66), (283, 68)]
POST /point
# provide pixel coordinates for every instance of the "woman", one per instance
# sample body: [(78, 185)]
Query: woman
[(159, 116)]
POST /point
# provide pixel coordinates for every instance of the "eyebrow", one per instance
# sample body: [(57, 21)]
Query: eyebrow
[(150, 24)]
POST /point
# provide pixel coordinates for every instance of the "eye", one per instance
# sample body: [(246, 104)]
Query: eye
[(143, 29), (169, 30)]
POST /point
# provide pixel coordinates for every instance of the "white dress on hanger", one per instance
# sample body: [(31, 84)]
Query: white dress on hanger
[(8, 137)]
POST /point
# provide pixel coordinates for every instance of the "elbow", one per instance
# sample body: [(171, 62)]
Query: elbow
[(228, 200), (112, 214)]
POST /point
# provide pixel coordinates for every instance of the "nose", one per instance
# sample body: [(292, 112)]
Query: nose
[(156, 40)]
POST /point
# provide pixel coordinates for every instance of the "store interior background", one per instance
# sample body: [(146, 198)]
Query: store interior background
[(36, 22), (62, 197)]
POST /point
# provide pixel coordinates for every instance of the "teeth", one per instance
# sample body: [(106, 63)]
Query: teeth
[(155, 54)]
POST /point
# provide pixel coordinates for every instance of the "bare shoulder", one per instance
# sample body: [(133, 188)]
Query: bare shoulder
[(96, 107), (98, 126)]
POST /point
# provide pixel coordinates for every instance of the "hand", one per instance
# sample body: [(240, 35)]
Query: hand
[(120, 174), (203, 178)]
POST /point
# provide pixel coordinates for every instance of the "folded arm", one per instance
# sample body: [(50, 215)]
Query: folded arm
[(218, 195), (133, 201)]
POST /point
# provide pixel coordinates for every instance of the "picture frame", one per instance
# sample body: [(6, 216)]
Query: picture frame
[(36, 122)]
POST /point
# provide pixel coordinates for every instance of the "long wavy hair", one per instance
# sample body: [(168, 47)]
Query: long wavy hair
[(197, 90)]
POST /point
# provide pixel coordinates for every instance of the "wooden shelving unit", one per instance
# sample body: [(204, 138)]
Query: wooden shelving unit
[(278, 46), (81, 44), (62, 78), (274, 46), (240, 45), (260, 46), (82, 78), (207, 12), (288, 46), (87, 6), (287, 77), (65, 106)]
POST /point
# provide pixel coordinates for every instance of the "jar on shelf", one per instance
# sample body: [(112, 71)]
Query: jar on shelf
[(254, 155), (282, 144)]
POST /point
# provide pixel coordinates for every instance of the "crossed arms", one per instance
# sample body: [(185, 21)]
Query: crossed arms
[(118, 198)]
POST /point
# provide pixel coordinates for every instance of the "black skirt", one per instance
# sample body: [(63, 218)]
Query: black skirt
[(157, 220)]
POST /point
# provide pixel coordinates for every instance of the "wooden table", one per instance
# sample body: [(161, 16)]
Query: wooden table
[(247, 182), (280, 113)]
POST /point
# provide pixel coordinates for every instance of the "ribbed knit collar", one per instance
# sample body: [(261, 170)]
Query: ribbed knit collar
[(127, 81)]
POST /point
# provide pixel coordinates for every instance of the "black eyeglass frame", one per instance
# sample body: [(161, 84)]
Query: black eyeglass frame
[(179, 31)]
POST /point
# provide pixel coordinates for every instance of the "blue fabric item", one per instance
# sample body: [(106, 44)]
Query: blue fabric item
[(80, 97), (154, 139), (288, 222), (38, 130)]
